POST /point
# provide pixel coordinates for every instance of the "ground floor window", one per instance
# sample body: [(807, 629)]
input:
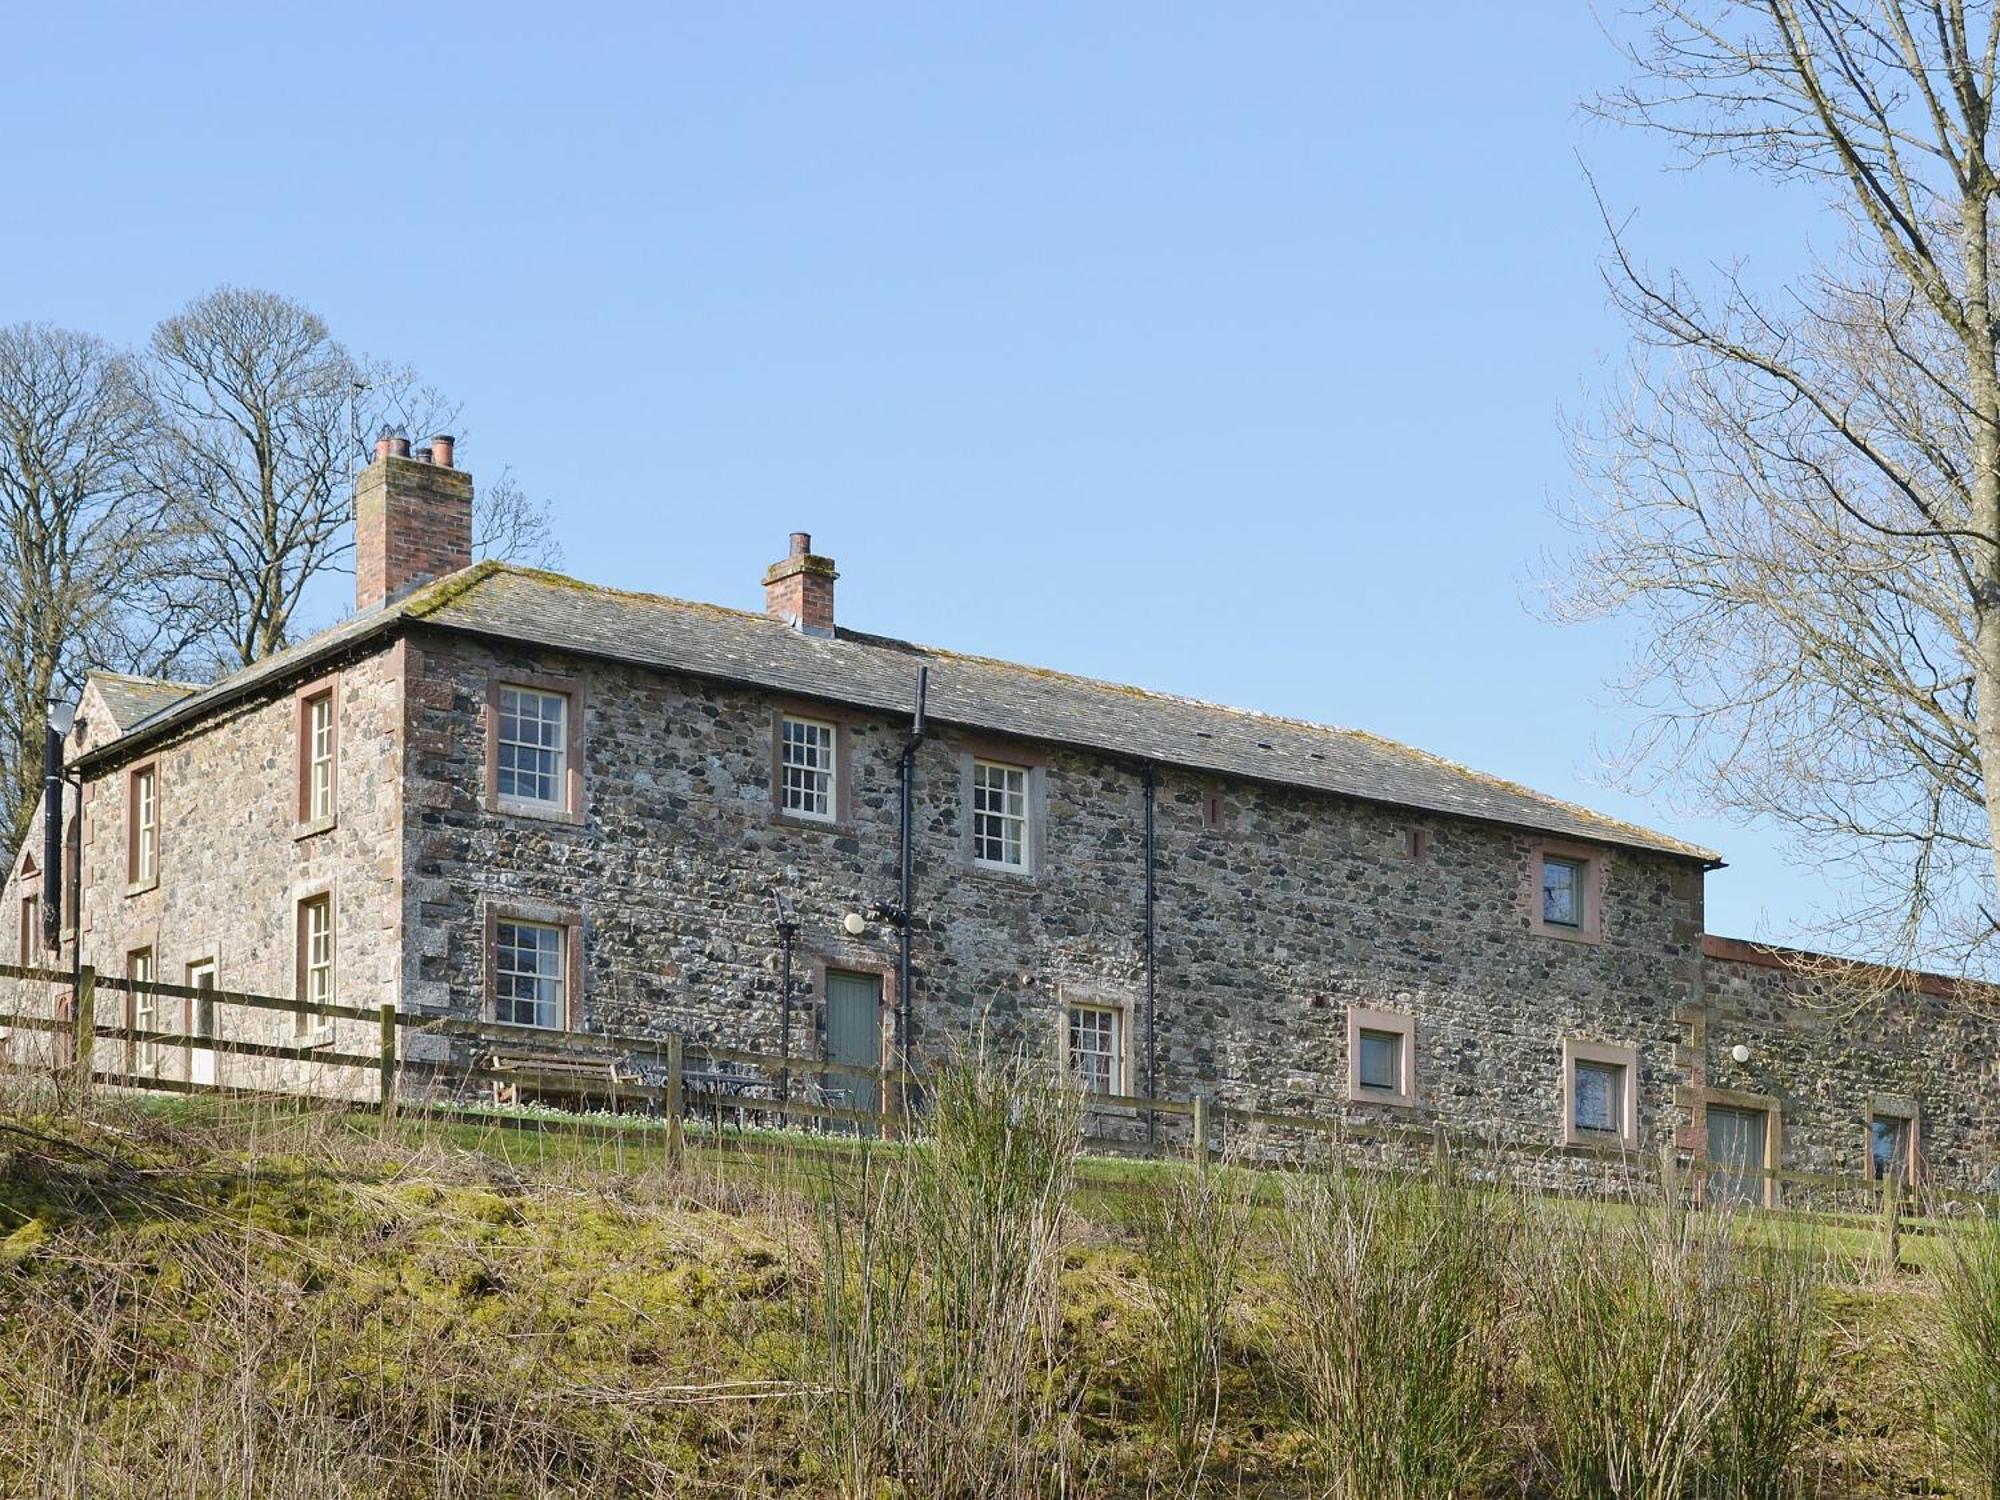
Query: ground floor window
[(530, 974), (1600, 1094), (1892, 1146), (1096, 1048), (145, 1009), (1738, 1148)]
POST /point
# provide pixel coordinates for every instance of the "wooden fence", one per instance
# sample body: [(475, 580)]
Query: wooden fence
[(689, 1077)]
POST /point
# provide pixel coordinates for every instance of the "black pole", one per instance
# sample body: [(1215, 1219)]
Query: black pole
[(52, 838), (908, 881), (785, 931), (1152, 1053)]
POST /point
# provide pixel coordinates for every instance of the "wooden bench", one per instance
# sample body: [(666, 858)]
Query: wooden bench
[(531, 1077)]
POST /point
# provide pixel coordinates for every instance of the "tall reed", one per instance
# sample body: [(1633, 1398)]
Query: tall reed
[(1395, 1283), (1192, 1231), (936, 1326), (1964, 1350)]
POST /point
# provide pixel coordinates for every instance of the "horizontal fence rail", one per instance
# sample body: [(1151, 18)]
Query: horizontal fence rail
[(673, 1076)]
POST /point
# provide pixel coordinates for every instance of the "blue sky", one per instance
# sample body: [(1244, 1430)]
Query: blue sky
[(1218, 349)]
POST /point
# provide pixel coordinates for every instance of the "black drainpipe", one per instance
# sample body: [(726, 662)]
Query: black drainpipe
[(908, 882), (1152, 1051)]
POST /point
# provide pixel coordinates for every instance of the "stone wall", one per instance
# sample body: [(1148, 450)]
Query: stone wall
[(235, 859), (1830, 1045), (1291, 908)]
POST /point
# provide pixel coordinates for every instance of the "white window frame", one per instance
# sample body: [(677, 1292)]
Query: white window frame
[(319, 757), (557, 999), (1106, 1021), (558, 800), (318, 964), (825, 775), (982, 769), (142, 969), (145, 825)]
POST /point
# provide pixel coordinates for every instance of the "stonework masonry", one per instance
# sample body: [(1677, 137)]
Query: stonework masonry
[(1413, 902)]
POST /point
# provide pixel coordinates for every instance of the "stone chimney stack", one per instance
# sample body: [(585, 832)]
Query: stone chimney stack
[(412, 519), (799, 590)]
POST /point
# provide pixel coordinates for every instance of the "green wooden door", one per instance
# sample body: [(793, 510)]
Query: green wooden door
[(854, 1033)]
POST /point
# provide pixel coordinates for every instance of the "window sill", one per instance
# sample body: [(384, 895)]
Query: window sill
[(140, 887), (540, 812), (1601, 1142), (314, 828), (1024, 875), (1386, 1097), (812, 825), (311, 1041), (1588, 936)]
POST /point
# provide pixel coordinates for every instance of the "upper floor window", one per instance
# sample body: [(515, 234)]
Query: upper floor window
[(806, 769), (315, 962), (533, 746), (1096, 1048), (530, 974), (999, 815), (317, 749), (1562, 891), (1565, 893), (143, 832), (31, 929)]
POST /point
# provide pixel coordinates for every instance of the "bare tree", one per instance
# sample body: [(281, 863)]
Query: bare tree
[(1798, 493), (83, 553), (261, 417), (255, 407)]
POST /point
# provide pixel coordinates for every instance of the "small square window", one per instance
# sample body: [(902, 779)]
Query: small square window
[(533, 747), (999, 815), (1891, 1147), (1381, 1062), (1562, 891), (1096, 1055), (806, 769), (530, 974), (1599, 1097)]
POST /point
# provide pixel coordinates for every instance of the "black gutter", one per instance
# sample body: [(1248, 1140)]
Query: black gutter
[(52, 838), (908, 882), (1152, 1052)]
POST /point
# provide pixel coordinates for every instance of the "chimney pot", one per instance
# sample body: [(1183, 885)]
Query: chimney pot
[(802, 543), (385, 441), (399, 446), (441, 449), (422, 455)]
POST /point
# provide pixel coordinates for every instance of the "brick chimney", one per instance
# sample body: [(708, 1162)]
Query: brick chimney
[(412, 519), (799, 590)]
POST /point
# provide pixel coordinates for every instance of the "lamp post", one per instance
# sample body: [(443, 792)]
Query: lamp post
[(788, 931)]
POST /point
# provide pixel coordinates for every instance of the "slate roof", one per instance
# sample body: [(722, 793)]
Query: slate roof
[(514, 604), (132, 700)]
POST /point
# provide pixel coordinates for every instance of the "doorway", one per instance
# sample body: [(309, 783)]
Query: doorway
[(1737, 1142), (201, 1021), (854, 1034)]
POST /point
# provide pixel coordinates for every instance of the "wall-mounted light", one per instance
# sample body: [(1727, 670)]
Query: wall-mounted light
[(854, 924), (1739, 1053)]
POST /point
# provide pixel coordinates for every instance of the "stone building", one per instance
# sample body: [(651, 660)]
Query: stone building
[(495, 792)]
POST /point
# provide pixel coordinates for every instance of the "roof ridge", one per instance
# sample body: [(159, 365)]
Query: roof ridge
[(193, 687)]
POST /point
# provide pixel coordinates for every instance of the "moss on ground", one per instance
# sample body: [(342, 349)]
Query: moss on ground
[(277, 1303)]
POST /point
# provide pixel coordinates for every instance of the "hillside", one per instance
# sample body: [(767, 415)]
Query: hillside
[(276, 1302)]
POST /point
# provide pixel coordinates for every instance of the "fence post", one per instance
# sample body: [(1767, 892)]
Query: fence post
[(388, 1062), (1669, 1185), (86, 1029), (1892, 1222), (1201, 1132), (675, 1143)]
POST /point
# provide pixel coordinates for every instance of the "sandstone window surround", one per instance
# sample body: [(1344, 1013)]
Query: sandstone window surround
[(318, 959), (317, 706), (142, 827), (31, 928), (810, 757), (534, 964), (1094, 1046), (534, 746), (1894, 1145), (1381, 1057), (1565, 892), (142, 1010), (1004, 794), (1734, 1180), (1600, 1094)]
